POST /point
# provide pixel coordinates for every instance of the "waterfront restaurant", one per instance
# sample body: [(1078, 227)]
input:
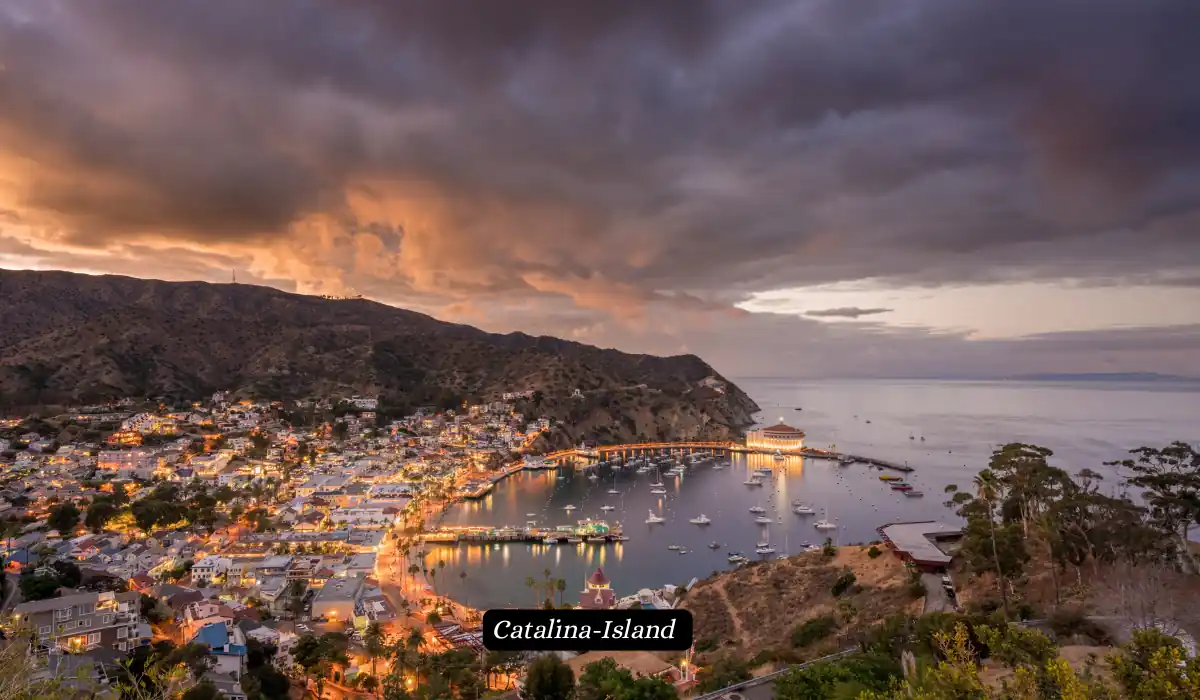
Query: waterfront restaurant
[(780, 437)]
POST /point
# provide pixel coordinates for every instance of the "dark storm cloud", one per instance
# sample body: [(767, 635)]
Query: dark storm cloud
[(846, 312), (619, 153)]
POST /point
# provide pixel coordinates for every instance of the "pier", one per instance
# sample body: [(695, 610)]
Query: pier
[(717, 448), (586, 532)]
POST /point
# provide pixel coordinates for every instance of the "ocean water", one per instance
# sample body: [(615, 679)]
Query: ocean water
[(1086, 424)]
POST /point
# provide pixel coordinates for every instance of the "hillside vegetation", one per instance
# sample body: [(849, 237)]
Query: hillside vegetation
[(72, 338)]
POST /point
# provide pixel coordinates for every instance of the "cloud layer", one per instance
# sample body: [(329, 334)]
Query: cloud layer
[(622, 172)]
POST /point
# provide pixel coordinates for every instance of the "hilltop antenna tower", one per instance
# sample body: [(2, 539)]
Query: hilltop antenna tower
[(234, 276)]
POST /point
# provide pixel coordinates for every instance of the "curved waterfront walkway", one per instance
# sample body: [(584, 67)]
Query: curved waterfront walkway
[(727, 446)]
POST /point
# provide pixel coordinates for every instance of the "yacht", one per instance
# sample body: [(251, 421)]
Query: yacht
[(684, 551), (762, 544), (674, 547), (765, 471), (813, 548), (752, 481), (803, 510), (607, 507), (614, 492), (659, 491), (757, 509), (568, 508), (574, 540), (702, 520), (550, 540), (531, 515), (653, 519), (764, 550), (714, 545), (736, 558), (825, 523), (763, 520)]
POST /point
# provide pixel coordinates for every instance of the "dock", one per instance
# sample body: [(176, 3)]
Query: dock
[(711, 448), (585, 533)]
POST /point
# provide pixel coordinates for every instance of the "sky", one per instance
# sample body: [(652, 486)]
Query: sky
[(809, 188)]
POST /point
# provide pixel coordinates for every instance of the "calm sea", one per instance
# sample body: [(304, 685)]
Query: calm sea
[(960, 422)]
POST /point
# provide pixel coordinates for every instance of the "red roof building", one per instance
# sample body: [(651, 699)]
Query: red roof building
[(597, 595)]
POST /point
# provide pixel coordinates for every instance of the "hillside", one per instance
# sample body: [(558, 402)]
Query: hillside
[(72, 338), (753, 611)]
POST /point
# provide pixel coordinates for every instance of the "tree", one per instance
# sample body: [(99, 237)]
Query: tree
[(204, 690), (560, 585), (35, 586), (548, 678), (723, 673), (374, 644), (63, 517), (99, 512), (1170, 477)]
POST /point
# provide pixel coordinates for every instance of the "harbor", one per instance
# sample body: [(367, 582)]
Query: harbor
[(672, 514)]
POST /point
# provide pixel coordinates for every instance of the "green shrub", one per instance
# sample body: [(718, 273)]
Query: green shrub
[(813, 630), (843, 583), (874, 552)]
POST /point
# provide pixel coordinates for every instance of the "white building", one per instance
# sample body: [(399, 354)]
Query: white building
[(368, 515), (208, 568)]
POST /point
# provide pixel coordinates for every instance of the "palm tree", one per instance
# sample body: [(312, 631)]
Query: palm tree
[(561, 586), (413, 570), (374, 644), (462, 576), (530, 583), (433, 580), (987, 487)]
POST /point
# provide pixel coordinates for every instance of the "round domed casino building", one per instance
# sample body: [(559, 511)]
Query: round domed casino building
[(780, 437)]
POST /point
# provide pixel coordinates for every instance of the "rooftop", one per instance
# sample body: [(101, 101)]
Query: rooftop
[(914, 539), (338, 589), (782, 428)]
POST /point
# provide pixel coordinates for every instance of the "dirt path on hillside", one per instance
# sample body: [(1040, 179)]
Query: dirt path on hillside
[(739, 635)]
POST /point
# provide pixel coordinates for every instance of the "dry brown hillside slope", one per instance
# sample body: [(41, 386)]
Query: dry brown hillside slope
[(754, 609), (72, 338)]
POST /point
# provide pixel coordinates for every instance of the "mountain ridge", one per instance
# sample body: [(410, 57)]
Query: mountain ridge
[(73, 338)]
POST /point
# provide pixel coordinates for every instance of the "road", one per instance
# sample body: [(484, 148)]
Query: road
[(936, 599)]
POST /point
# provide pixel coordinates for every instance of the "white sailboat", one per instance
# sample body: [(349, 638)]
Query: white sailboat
[(825, 523), (653, 519), (765, 547), (658, 484), (613, 491)]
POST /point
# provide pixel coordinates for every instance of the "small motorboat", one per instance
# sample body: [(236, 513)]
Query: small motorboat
[(653, 519), (550, 540), (674, 547), (736, 558), (764, 550), (714, 545), (901, 486), (757, 509), (753, 482), (607, 508), (825, 525), (531, 515), (568, 507), (890, 477), (614, 492), (594, 477), (803, 510), (574, 540), (763, 520), (684, 551), (658, 492), (702, 520), (913, 494)]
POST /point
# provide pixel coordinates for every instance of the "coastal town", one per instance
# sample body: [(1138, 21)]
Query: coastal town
[(267, 549), (223, 525)]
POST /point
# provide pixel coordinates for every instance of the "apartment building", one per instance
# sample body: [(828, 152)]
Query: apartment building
[(86, 621)]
